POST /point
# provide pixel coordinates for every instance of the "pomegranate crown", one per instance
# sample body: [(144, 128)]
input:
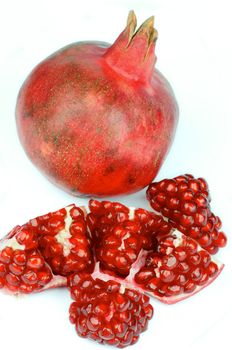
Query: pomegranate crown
[(132, 54)]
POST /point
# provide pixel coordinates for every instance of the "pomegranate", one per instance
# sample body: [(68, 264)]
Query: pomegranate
[(107, 313), (185, 201), (99, 119), (41, 253)]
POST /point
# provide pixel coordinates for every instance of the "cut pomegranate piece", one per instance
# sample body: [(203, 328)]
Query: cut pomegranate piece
[(120, 233), (141, 250), (23, 269), (42, 252), (185, 201), (178, 269), (107, 313)]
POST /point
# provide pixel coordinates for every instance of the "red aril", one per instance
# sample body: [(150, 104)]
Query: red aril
[(99, 119)]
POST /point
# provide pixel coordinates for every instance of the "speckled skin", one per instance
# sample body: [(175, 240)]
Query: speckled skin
[(92, 128)]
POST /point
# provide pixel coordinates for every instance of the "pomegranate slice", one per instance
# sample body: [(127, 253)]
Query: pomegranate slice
[(106, 312), (120, 233), (42, 252), (141, 250), (178, 268), (185, 201)]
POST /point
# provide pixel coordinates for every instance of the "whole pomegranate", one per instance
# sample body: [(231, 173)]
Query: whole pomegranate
[(99, 119)]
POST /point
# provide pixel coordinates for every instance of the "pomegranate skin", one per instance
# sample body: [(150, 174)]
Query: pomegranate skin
[(99, 119)]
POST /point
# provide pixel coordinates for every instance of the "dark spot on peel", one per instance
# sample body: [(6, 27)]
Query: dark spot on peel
[(131, 179), (56, 140), (110, 169)]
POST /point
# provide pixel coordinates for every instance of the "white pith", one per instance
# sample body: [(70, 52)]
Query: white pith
[(131, 213), (179, 238), (12, 243), (127, 282), (122, 246), (64, 235)]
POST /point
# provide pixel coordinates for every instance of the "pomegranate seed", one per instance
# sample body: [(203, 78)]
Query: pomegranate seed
[(12, 279), (205, 240), (25, 237), (3, 269), (35, 262), (212, 249), (161, 198), (2, 282), (16, 269), (29, 277), (19, 257), (205, 258), (180, 253), (196, 274), (189, 287), (194, 259), (171, 187), (186, 220), (174, 289), (167, 276), (77, 227), (181, 279), (76, 213), (188, 207), (143, 275), (6, 255), (44, 277), (221, 240), (172, 203), (203, 279), (212, 269), (56, 224)]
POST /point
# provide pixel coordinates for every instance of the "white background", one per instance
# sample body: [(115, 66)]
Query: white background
[(194, 52)]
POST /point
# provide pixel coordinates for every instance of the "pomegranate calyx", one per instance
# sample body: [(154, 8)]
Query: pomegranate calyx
[(132, 54), (131, 25)]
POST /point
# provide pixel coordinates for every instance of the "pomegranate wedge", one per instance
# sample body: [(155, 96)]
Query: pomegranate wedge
[(41, 253), (141, 250)]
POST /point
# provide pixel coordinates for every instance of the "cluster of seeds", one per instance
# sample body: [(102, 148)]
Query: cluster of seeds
[(22, 267), (185, 200), (104, 313), (120, 233), (64, 240), (179, 267)]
